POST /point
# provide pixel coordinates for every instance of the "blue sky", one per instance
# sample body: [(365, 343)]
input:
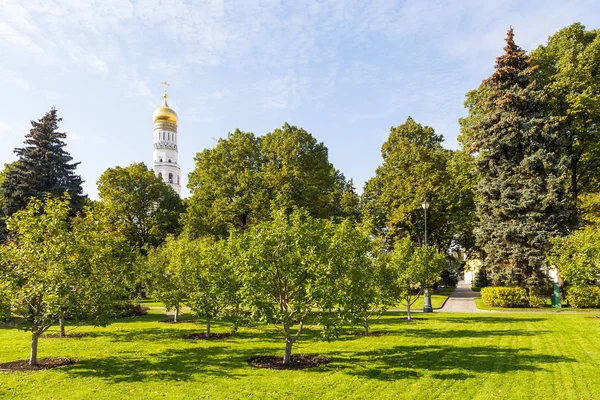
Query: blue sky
[(346, 71)]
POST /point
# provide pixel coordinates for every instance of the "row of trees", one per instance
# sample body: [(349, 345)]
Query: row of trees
[(527, 174), (273, 232), (289, 271)]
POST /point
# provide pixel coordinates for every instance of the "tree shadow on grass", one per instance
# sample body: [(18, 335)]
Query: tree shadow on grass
[(448, 362), (468, 333), (488, 319), (172, 365)]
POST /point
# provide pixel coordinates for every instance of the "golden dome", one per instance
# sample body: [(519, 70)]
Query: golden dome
[(165, 113)]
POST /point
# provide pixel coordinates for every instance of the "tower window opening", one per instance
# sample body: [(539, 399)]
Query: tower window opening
[(178, 179), (170, 177), (161, 160), (169, 160)]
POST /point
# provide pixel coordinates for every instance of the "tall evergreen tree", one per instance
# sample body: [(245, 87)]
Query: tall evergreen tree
[(43, 166), (522, 191)]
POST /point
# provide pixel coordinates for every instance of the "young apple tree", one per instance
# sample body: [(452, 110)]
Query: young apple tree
[(51, 268), (163, 277), (286, 274), (358, 281), (211, 286), (408, 269)]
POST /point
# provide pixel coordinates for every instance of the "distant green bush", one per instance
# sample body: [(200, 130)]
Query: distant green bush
[(536, 301), (504, 296), (584, 296)]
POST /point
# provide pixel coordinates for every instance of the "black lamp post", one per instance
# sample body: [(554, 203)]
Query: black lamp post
[(426, 297)]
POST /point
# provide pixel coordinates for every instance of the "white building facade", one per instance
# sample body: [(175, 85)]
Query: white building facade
[(165, 158)]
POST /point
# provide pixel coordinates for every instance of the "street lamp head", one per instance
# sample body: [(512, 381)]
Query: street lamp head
[(425, 204)]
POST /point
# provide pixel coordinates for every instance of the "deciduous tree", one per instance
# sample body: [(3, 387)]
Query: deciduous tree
[(416, 167), (238, 183), (51, 269), (140, 204), (567, 70), (286, 273)]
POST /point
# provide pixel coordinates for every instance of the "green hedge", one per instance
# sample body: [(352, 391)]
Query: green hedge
[(584, 296), (504, 296)]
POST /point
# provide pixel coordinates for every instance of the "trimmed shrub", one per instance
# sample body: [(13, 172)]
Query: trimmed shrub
[(536, 301), (504, 296), (584, 296), (127, 309)]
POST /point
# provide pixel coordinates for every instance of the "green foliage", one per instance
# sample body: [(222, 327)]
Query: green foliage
[(522, 192), (43, 166), (140, 204), (589, 209), (211, 285), (577, 257), (236, 184), (51, 269), (535, 301), (504, 296), (357, 284), (584, 296), (416, 166), (287, 273), (409, 269), (163, 279), (481, 280), (567, 69), (227, 186)]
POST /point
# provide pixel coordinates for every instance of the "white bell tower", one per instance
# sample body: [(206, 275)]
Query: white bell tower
[(165, 163)]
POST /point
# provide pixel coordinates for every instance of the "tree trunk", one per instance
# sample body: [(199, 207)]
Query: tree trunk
[(61, 324), (287, 356), (408, 312), (176, 314), (208, 327), (366, 324), (34, 346)]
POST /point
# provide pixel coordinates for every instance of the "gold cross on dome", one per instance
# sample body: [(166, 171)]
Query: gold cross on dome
[(165, 84)]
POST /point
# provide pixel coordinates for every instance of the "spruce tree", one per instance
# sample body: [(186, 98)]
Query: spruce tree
[(523, 201), (43, 167)]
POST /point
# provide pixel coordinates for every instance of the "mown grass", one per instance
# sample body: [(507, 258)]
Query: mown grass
[(453, 356)]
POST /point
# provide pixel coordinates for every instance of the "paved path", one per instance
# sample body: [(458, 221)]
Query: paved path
[(462, 300)]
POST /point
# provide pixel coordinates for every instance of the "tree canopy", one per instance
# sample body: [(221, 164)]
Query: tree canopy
[(51, 268), (238, 183), (144, 207), (416, 167), (522, 197), (43, 166), (567, 70)]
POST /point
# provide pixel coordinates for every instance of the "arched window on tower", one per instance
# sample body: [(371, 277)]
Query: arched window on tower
[(170, 177), (178, 179)]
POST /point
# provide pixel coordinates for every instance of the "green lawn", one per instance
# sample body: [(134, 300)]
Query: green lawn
[(450, 356)]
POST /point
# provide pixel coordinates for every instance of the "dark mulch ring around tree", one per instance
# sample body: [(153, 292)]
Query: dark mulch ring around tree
[(300, 361), (66, 336), (181, 321), (202, 336), (371, 333), (47, 363)]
